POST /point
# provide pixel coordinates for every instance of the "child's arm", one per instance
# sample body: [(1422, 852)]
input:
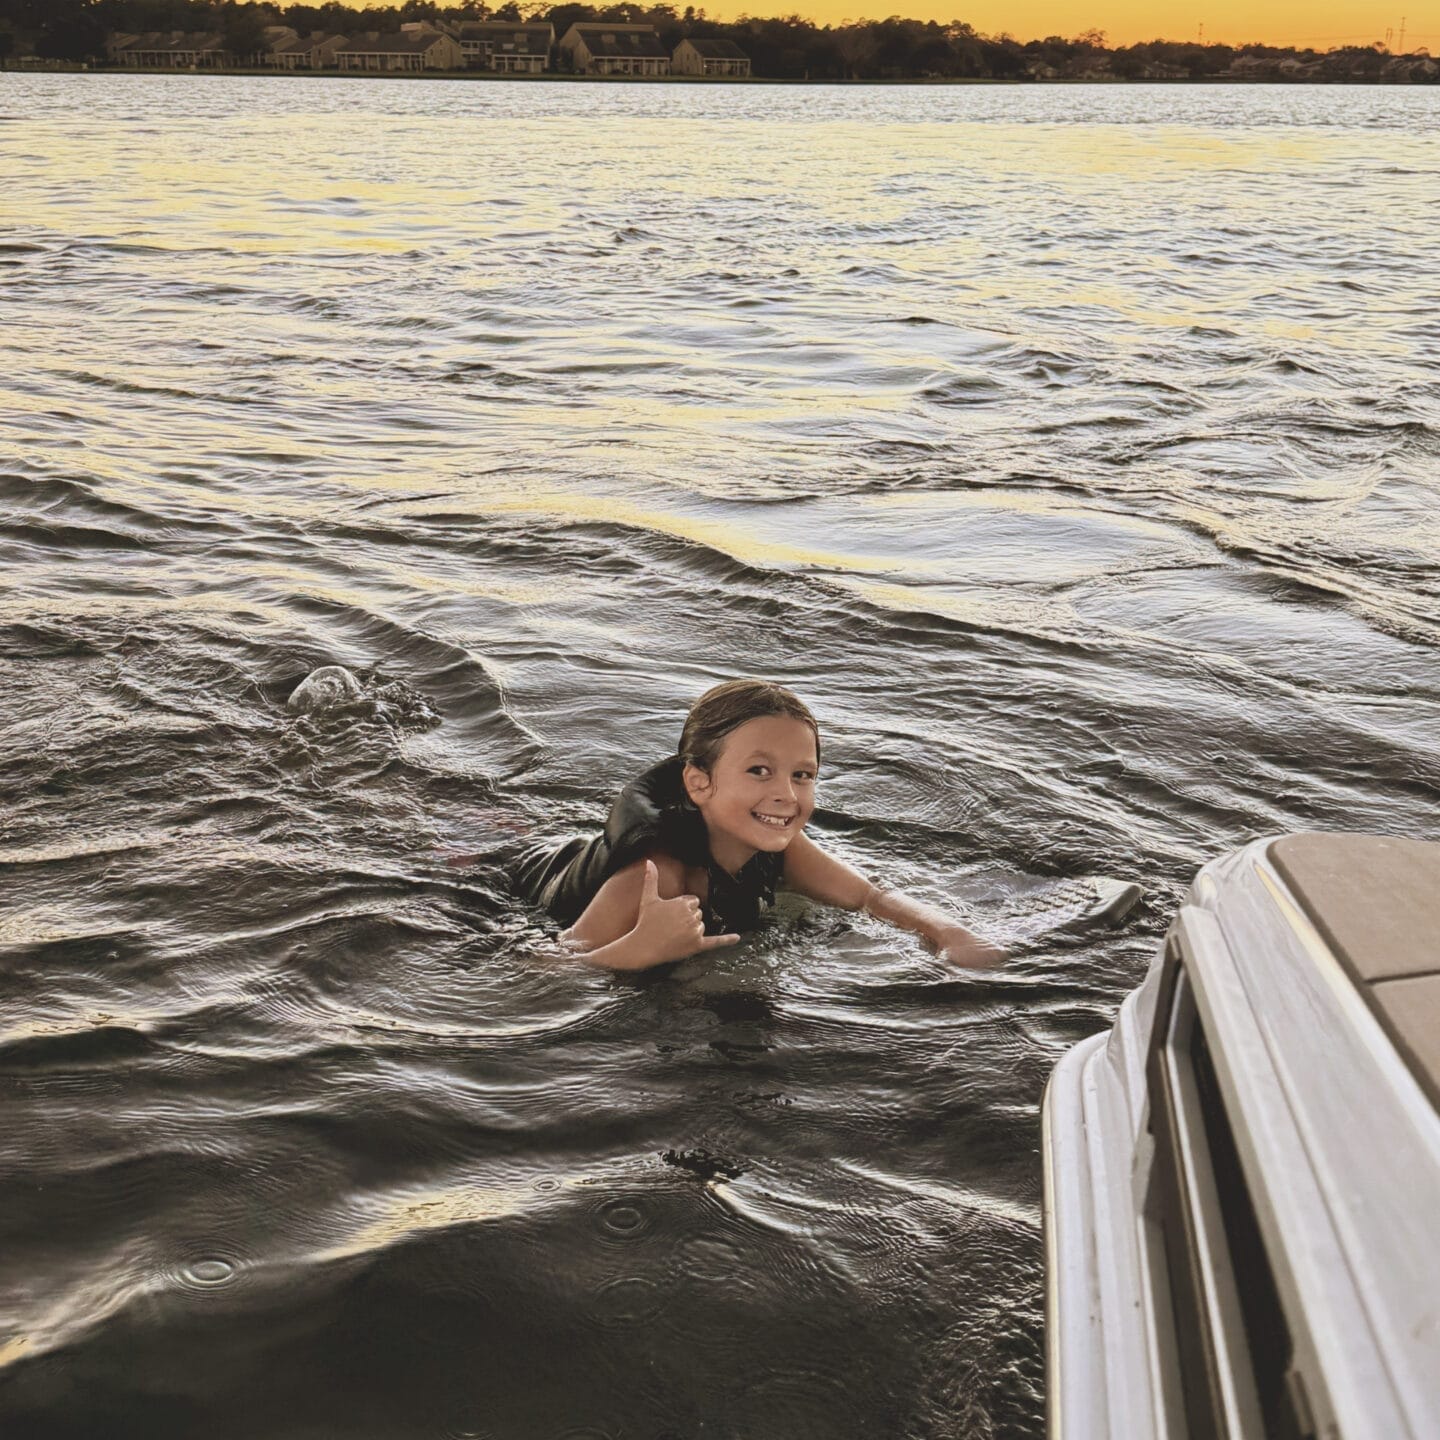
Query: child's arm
[(642, 916), (821, 877)]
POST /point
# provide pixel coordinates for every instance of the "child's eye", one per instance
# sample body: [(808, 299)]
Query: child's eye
[(759, 769), (808, 775)]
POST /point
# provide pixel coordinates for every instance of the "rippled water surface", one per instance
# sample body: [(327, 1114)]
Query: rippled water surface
[(1073, 450)]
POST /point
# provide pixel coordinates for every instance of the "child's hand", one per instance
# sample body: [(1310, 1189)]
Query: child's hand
[(671, 929), (957, 945)]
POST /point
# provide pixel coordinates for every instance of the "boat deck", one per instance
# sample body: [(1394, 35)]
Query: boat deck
[(1376, 902)]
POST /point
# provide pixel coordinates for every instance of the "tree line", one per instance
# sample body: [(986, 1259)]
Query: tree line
[(780, 48)]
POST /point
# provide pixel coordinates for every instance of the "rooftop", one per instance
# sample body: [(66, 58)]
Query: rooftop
[(719, 50), (373, 43), (622, 40), (178, 40)]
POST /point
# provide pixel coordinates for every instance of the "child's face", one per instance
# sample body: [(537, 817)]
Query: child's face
[(760, 792)]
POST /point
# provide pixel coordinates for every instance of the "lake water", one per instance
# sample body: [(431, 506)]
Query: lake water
[(1075, 451)]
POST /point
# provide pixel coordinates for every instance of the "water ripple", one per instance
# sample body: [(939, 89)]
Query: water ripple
[(1071, 449)]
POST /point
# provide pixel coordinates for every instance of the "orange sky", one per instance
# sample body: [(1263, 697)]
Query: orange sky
[(1318, 23)]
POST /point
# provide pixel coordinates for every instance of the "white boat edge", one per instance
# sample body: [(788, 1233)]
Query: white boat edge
[(1339, 1149)]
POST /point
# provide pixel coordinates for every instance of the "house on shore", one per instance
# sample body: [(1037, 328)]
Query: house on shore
[(417, 46), (1157, 70), (504, 48), (171, 50), (291, 51), (600, 48), (1253, 67), (710, 57)]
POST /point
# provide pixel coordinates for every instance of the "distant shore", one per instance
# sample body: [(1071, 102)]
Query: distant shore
[(569, 78), (577, 40)]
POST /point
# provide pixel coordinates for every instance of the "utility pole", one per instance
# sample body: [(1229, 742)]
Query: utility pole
[(1201, 40), (1401, 46)]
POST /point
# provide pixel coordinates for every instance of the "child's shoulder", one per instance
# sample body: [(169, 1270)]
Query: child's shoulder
[(658, 788), (651, 813)]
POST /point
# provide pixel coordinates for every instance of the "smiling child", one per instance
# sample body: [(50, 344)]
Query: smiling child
[(695, 848)]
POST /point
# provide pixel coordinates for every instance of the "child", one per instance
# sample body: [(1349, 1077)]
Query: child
[(695, 848)]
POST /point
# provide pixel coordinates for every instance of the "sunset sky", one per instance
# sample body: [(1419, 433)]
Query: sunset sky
[(1318, 23)]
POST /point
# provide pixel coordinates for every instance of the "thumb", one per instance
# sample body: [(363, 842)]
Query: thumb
[(650, 884), (713, 942)]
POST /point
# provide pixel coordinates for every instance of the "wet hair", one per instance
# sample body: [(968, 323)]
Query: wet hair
[(727, 707)]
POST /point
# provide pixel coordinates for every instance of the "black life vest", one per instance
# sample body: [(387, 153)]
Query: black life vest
[(652, 813)]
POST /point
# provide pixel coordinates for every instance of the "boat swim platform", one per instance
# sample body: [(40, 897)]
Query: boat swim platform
[(1375, 900)]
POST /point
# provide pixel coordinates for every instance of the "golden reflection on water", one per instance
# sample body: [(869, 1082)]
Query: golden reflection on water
[(744, 284), (45, 925), (722, 534), (408, 1215), (937, 544), (979, 611), (12, 1349), (73, 847), (80, 1023), (767, 291), (190, 187)]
